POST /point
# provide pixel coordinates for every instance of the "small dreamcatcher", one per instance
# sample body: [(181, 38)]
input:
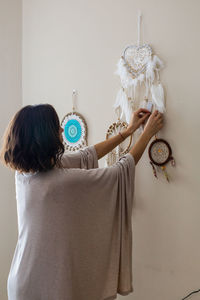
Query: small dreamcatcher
[(160, 153), (75, 129), (123, 148)]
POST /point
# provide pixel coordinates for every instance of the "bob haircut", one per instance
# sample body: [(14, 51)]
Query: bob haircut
[(32, 140)]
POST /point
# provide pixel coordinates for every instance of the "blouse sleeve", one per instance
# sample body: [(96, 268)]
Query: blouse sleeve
[(83, 159), (125, 169), (103, 204)]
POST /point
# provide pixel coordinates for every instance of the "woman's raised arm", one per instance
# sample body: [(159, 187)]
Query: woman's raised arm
[(138, 118)]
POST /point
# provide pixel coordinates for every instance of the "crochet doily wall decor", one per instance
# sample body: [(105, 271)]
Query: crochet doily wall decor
[(75, 129)]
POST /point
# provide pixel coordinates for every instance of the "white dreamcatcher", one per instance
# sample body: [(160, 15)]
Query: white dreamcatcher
[(139, 66)]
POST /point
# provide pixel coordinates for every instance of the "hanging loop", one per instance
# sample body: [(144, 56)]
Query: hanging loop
[(139, 27), (74, 94)]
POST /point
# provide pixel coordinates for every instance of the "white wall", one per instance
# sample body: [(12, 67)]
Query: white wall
[(11, 100), (76, 44)]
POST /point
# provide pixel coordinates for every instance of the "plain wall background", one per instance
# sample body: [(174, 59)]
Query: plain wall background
[(76, 44), (11, 100)]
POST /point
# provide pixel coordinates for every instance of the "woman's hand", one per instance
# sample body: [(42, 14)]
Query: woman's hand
[(154, 123), (138, 118)]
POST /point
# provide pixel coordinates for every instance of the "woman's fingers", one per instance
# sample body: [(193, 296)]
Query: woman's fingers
[(160, 122), (155, 113), (160, 119), (159, 115), (144, 117), (140, 111)]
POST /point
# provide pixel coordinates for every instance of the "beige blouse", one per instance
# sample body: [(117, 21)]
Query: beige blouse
[(74, 231)]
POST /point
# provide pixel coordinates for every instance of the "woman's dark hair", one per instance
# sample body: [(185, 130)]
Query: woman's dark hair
[(32, 140)]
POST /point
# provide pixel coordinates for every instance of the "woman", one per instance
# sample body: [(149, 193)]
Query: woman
[(74, 219)]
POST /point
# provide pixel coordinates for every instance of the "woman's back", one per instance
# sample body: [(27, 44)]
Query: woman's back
[(74, 219), (72, 225)]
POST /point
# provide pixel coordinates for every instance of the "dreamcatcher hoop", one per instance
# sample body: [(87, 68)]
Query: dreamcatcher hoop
[(136, 58), (160, 153), (118, 126), (118, 151)]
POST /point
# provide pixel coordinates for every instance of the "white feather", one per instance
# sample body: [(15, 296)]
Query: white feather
[(157, 62), (126, 80), (124, 104), (150, 75), (157, 94), (141, 78)]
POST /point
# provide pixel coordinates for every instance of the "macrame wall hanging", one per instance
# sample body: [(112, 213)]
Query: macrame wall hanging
[(75, 129), (138, 69)]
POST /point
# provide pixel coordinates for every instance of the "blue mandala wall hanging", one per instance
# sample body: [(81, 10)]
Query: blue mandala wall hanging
[(75, 131)]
